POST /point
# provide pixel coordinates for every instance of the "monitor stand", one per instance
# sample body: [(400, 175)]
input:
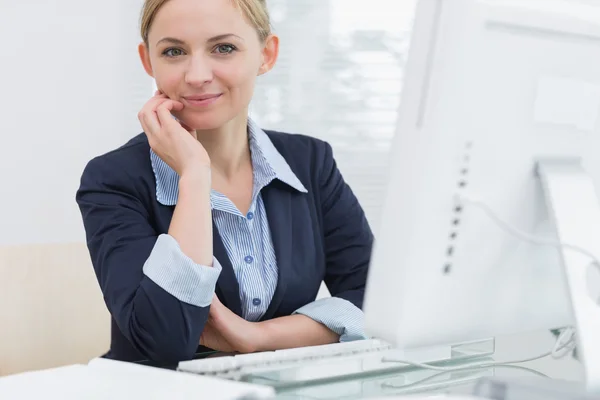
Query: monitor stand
[(574, 208)]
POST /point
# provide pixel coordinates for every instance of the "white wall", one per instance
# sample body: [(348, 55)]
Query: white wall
[(72, 85)]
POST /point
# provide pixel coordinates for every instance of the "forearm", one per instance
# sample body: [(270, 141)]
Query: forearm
[(294, 331), (191, 225), (165, 317), (160, 327)]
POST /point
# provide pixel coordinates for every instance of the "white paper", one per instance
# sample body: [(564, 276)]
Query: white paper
[(106, 379)]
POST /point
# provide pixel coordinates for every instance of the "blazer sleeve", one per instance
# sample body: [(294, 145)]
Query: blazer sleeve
[(347, 235), (162, 317)]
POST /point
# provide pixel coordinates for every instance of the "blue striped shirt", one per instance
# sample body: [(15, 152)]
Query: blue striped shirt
[(247, 239)]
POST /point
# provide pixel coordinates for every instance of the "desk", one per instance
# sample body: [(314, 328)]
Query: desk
[(431, 382)]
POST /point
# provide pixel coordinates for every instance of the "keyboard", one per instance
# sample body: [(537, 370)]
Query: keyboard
[(230, 366), (359, 361)]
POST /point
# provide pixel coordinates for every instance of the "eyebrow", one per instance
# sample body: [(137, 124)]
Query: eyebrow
[(211, 40)]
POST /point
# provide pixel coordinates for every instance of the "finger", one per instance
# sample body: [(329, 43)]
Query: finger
[(153, 103), (145, 127), (151, 123), (158, 98), (165, 117), (148, 116)]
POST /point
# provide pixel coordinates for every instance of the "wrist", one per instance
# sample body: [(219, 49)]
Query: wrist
[(261, 336), (197, 176)]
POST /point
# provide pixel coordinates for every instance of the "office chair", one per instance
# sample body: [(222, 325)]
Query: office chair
[(51, 308)]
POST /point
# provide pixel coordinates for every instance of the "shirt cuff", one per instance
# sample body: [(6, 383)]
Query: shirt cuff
[(339, 315), (179, 275)]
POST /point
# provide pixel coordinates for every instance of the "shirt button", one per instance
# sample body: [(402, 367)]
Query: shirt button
[(250, 215), (248, 259), (256, 302)]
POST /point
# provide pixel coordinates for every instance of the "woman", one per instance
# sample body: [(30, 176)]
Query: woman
[(205, 229)]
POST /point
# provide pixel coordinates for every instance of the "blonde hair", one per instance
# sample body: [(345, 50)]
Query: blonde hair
[(255, 11)]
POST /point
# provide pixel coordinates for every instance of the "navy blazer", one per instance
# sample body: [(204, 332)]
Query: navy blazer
[(319, 236)]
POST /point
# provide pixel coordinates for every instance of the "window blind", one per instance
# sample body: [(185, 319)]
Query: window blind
[(339, 78)]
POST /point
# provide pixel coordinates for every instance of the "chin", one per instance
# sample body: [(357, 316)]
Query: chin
[(204, 121)]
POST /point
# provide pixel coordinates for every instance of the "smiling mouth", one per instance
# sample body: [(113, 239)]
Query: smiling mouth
[(202, 101)]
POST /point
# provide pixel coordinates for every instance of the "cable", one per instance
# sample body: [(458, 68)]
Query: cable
[(569, 345), (561, 344), (565, 343), (437, 375), (521, 234)]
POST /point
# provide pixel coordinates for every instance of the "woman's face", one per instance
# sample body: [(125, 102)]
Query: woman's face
[(206, 55)]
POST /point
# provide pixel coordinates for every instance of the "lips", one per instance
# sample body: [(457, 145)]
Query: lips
[(202, 97), (203, 100)]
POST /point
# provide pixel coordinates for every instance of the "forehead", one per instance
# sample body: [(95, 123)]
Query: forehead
[(199, 20)]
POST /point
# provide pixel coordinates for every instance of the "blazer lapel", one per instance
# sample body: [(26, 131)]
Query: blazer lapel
[(227, 286), (278, 204)]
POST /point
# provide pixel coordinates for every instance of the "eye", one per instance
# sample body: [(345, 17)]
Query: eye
[(225, 49), (173, 52)]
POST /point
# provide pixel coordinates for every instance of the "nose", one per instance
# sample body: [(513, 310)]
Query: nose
[(199, 71)]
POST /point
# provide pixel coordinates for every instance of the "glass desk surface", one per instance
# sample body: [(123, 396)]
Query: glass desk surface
[(404, 380), (410, 380)]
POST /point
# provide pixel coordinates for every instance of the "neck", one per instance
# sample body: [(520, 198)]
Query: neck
[(227, 146)]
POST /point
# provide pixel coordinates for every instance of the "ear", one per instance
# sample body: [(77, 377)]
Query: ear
[(270, 52), (145, 57)]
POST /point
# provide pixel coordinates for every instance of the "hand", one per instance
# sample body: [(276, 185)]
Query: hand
[(169, 139), (243, 336), (213, 339)]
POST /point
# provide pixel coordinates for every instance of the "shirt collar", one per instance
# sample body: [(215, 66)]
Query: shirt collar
[(267, 164)]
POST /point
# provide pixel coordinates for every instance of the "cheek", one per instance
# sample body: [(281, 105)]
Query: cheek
[(168, 79), (239, 79)]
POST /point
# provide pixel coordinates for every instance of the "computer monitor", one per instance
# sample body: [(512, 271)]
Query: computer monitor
[(498, 119)]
